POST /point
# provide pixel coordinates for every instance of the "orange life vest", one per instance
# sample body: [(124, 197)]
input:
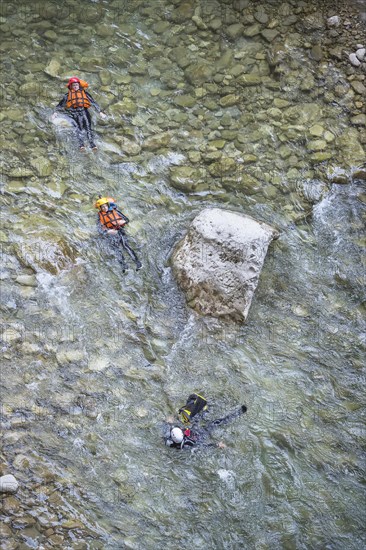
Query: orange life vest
[(110, 219), (77, 99)]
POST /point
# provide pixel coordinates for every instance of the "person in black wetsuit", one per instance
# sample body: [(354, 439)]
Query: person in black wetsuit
[(179, 438), (111, 221), (76, 104)]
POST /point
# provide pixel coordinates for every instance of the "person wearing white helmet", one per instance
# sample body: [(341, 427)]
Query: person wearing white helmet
[(179, 438)]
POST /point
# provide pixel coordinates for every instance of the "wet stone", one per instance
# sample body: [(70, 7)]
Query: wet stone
[(10, 504), (269, 34), (53, 68), (359, 87), (316, 52), (316, 145), (359, 120), (234, 31), (10, 544), (42, 166), (5, 531), (251, 31), (26, 280)]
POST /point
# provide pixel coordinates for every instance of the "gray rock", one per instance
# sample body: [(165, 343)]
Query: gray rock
[(215, 24), (358, 87), (8, 484), (20, 173), (198, 73), (359, 174), (252, 79), (124, 107), (261, 17), (5, 533), (105, 31), (29, 89), (157, 141), (128, 146), (105, 77), (354, 60), (185, 100), (359, 120), (198, 22), (316, 145), (42, 166), (316, 52), (26, 280), (360, 54), (269, 34), (161, 27), (185, 178), (251, 31), (235, 30), (53, 68), (92, 64), (219, 261), (334, 21)]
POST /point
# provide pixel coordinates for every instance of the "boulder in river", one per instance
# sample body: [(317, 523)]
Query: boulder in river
[(219, 261)]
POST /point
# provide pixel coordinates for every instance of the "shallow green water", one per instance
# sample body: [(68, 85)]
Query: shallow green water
[(94, 362)]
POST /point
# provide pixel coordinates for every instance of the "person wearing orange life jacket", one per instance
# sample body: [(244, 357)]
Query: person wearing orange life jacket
[(111, 221), (76, 104)]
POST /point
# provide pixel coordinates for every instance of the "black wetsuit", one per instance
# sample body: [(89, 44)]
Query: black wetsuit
[(198, 435), (81, 118), (120, 240)]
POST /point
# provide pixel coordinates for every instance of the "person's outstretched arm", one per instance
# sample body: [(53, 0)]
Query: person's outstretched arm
[(95, 104), (62, 103)]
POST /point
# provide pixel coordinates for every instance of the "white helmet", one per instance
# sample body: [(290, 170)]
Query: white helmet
[(177, 435)]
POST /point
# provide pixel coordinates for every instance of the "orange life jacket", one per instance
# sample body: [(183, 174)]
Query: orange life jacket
[(77, 98), (110, 219)]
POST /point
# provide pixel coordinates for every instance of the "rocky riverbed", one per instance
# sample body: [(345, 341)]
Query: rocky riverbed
[(254, 106)]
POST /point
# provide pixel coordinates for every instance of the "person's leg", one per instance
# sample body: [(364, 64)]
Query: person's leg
[(115, 243), (130, 251), (88, 128), (78, 128), (226, 419)]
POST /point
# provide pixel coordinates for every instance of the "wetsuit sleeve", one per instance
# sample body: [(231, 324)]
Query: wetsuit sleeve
[(93, 102), (189, 443), (62, 103)]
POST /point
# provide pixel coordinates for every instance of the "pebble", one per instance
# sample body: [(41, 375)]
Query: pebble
[(334, 21), (8, 484), (354, 60), (360, 54), (26, 280)]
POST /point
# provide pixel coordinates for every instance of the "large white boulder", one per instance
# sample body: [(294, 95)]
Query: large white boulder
[(219, 261)]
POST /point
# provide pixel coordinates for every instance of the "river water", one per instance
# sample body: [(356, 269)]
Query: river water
[(95, 361)]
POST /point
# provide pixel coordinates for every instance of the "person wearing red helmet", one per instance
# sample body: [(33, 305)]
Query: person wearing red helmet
[(76, 103)]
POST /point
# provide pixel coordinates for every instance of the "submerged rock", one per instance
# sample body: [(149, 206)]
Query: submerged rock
[(219, 261), (8, 484)]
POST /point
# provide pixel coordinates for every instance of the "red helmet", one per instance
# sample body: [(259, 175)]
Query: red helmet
[(72, 80)]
